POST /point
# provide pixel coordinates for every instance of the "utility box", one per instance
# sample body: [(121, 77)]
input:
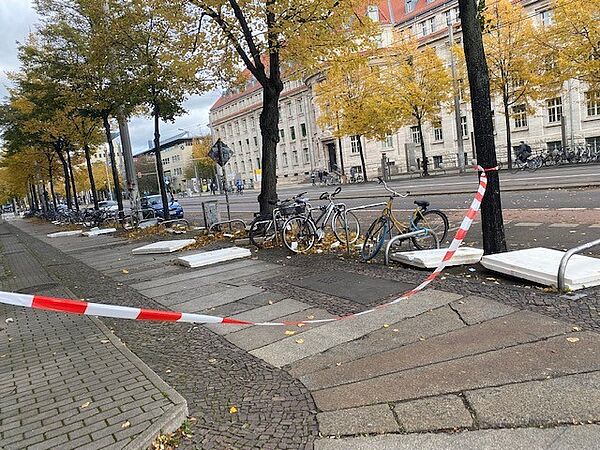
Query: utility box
[(210, 211)]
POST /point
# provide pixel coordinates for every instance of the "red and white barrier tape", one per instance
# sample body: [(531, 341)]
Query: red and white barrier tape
[(126, 312)]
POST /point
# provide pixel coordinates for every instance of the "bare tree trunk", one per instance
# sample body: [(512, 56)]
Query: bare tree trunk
[(88, 162), (72, 177), (159, 165), (423, 154), (494, 240), (362, 158), (66, 177), (113, 163), (51, 176), (269, 128)]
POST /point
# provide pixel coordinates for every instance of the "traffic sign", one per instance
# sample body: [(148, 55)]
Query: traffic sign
[(220, 153)]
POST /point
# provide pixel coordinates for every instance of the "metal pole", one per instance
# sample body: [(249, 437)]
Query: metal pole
[(459, 136), (225, 185), (130, 176), (562, 268), (571, 122)]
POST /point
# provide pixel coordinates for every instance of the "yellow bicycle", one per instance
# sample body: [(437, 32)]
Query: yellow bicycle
[(432, 223)]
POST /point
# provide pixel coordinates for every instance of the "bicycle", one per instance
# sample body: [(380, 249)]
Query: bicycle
[(264, 228), (295, 230), (433, 223), (532, 163)]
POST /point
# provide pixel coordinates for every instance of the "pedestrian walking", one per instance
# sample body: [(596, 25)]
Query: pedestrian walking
[(213, 188), (312, 177)]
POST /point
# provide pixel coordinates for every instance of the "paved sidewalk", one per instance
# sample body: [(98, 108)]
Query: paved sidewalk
[(447, 368), (67, 381)]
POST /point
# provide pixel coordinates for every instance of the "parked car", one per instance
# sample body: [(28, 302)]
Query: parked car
[(155, 202), (108, 205)]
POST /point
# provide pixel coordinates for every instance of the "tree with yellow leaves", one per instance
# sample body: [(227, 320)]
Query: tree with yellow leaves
[(576, 38), (512, 50), (416, 86), (349, 97), (202, 166)]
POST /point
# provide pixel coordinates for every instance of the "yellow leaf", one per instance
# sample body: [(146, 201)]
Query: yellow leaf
[(573, 339), (386, 325), (126, 424), (289, 332), (125, 271), (85, 405), (233, 410), (299, 341), (300, 325)]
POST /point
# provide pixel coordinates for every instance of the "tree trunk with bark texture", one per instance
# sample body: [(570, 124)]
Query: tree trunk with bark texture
[(65, 167), (113, 163), (72, 177), (269, 128), (423, 153), (159, 165), (51, 176), (88, 162), (494, 240), (362, 159)]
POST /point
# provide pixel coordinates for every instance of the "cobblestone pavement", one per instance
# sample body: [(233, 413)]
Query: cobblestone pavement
[(66, 381), (465, 363), (275, 411)]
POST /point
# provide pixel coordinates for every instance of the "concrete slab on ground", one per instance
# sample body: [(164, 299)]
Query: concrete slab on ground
[(204, 303), (352, 286), (365, 420), (98, 232), (65, 233), (430, 259), (214, 257), (434, 413), (569, 437), (540, 265), (163, 246)]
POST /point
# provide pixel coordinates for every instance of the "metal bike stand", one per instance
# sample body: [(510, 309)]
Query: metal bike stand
[(356, 208), (174, 221), (562, 268), (404, 236), (224, 222)]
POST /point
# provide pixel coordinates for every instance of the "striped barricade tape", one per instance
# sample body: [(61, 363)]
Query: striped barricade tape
[(126, 312)]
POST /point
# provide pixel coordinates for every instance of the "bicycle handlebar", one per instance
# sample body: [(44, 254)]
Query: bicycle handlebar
[(391, 191)]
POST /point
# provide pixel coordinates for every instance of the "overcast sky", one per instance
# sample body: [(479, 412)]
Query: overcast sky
[(17, 19)]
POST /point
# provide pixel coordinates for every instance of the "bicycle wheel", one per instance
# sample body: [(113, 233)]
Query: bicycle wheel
[(375, 238), (337, 224), (436, 221), (427, 241), (535, 164), (299, 234), (262, 230)]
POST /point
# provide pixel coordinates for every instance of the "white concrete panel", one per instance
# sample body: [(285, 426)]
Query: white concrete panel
[(429, 259), (98, 231), (213, 257), (64, 234), (540, 265), (163, 247)]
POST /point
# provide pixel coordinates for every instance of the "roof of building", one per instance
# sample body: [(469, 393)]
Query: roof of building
[(167, 143)]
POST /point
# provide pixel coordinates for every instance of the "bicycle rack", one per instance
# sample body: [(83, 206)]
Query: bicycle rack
[(356, 208), (175, 221), (562, 268), (402, 237), (224, 222)]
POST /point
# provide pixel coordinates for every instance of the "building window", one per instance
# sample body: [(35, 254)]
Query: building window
[(237, 127), (437, 161), (258, 163), (593, 143), (293, 133), (554, 145), (244, 125), (373, 13), (303, 129), (464, 128), (295, 158), (306, 155), (410, 5), (255, 141), (300, 107), (451, 16), (289, 108), (546, 17), (387, 142), (554, 106), (592, 101), (520, 116), (248, 143), (285, 160), (416, 137), (355, 144), (282, 134), (438, 134), (423, 28)]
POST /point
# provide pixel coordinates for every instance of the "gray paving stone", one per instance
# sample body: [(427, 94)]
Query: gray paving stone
[(517, 328), (434, 413), (561, 438), (473, 309), (322, 338), (263, 314), (538, 360), (190, 294), (202, 303), (365, 420), (255, 337), (569, 399), (430, 323)]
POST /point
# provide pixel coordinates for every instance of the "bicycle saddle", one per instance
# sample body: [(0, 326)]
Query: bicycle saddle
[(422, 203)]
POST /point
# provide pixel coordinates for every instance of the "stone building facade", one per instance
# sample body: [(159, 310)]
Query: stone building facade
[(234, 118)]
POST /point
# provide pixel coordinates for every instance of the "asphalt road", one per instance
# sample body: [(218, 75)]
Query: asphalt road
[(553, 188)]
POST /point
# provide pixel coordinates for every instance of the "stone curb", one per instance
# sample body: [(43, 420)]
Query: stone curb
[(169, 421)]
